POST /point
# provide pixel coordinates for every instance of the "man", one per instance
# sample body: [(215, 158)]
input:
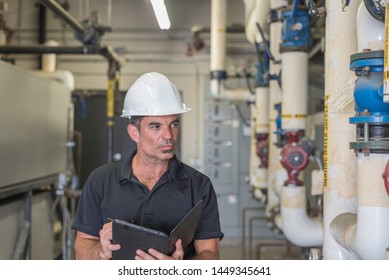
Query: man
[(152, 187)]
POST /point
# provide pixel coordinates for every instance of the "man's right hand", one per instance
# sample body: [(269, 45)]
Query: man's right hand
[(89, 247), (106, 242)]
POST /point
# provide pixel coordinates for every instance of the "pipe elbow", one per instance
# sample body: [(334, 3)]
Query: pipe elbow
[(342, 229), (219, 91), (298, 227), (256, 12), (361, 235)]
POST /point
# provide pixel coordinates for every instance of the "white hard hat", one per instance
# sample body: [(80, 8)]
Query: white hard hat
[(153, 94)]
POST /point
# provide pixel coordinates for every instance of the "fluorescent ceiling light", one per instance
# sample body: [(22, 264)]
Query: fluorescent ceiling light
[(161, 13)]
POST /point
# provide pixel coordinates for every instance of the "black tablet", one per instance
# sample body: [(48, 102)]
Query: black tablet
[(132, 237)]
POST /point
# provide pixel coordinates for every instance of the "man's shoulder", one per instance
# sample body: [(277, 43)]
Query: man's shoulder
[(109, 167), (191, 171), (108, 171)]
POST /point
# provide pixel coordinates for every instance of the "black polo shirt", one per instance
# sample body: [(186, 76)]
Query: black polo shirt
[(112, 191)]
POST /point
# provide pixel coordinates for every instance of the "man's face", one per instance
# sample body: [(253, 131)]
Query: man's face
[(158, 136)]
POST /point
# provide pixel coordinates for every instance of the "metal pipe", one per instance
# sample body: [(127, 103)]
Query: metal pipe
[(244, 211), (252, 219), (23, 244), (65, 15), (106, 51), (38, 49), (42, 29), (78, 134)]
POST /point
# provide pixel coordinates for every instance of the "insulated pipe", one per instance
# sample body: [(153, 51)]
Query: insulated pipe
[(297, 226), (218, 54), (218, 90), (49, 63), (276, 173), (260, 121), (49, 68), (370, 32), (256, 11), (295, 90), (218, 36), (366, 233), (262, 110), (339, 161)]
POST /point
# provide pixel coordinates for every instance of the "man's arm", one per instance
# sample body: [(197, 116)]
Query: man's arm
[(89, 247), (207, 249)]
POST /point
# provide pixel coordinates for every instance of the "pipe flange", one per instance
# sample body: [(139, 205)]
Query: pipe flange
[(375, 147), (367, 58)]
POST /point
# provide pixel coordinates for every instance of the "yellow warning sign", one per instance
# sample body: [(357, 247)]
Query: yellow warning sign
[(325, 156)]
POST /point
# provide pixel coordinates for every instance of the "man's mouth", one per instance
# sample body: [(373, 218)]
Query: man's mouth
[(167, 149)]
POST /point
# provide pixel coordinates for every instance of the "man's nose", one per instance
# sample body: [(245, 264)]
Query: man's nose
[(167, 133)]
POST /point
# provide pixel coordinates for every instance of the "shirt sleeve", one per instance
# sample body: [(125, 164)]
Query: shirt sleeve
[(209, 224), (89, 218)]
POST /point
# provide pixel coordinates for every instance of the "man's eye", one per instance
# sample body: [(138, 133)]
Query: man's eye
[(154, 126), (175, 125)]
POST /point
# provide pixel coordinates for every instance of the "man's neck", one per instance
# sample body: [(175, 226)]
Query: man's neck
[(148, 172)]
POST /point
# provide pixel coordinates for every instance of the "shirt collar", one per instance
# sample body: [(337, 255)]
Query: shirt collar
[(175, 170)]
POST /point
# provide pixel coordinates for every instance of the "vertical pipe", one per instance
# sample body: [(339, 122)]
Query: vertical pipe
[(372, 229), (370, 32), (339, 160), (295, 90), (259, 126), (276, 173), (42, 30), (256, 12), (218, 35)]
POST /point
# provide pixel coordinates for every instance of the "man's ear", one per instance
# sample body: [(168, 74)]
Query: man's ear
[(133, 132)]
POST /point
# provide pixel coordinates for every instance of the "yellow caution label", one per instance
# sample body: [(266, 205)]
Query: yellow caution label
[(325, 156), (386, 75), (110, 98), (261, 125), (386, 63), (291, 116)]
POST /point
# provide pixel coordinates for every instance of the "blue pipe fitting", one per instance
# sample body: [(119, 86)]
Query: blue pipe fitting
[(280, 133), (372, 114), (368, 91), (261, 77), (296, 34), (218, 75)]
